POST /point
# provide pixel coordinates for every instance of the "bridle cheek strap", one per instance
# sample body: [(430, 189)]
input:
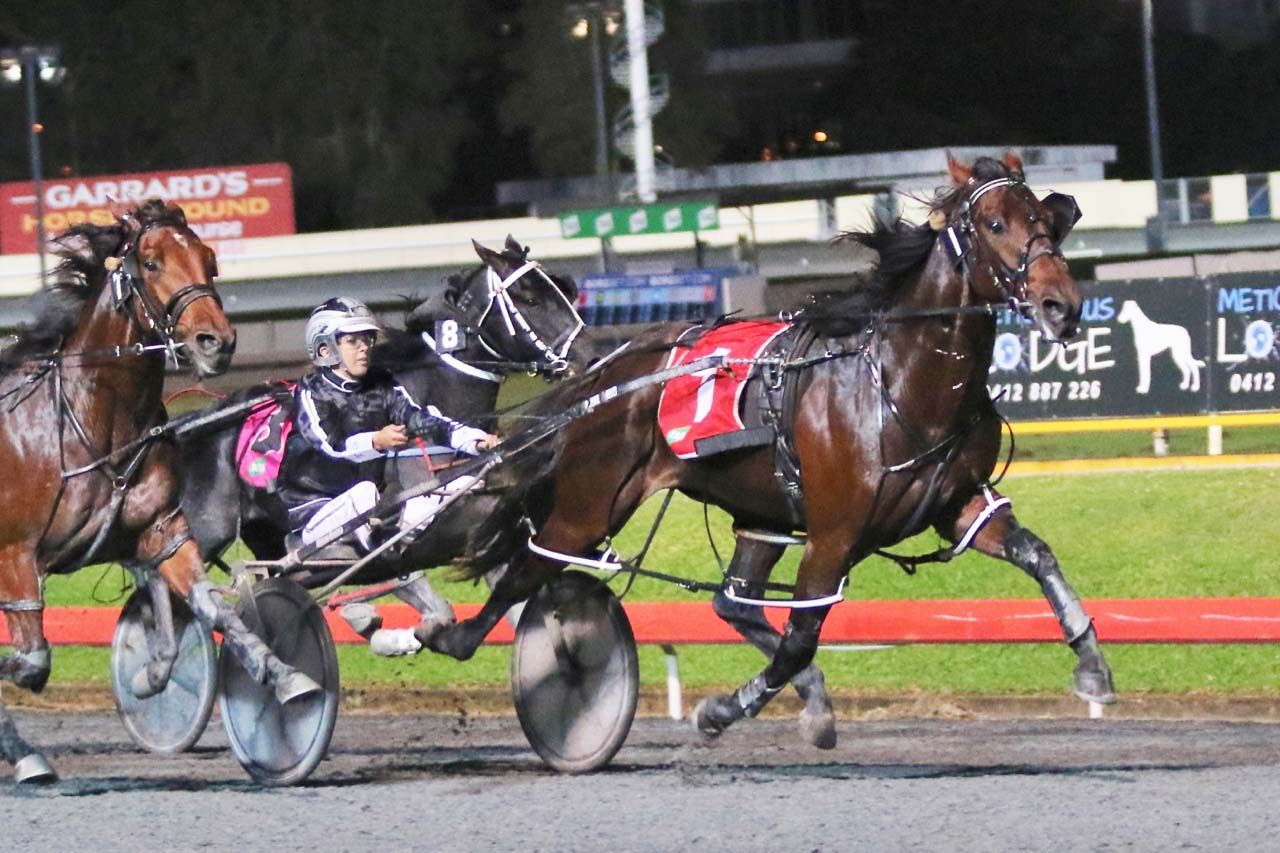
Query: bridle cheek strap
[(512, 317)]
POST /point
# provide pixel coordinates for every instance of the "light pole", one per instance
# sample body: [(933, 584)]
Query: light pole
[(590, 20), (1149, 67), (24, 64), (594, 19), (1156, 226)]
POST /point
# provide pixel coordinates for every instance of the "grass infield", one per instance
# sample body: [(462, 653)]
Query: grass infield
[(1142, 534)]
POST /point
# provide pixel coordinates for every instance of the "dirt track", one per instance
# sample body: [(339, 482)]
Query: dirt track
[(457, 782)]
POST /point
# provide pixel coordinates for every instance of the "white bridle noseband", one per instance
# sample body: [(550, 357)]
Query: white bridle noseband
[(513, 318)]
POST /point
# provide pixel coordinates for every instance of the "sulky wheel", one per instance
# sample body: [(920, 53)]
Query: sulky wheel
[(281, 744), (574, 673), (172, 720)]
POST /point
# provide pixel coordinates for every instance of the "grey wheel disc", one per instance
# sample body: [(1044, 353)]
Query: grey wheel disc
[(172, 720), (574, 673), (281, 744)]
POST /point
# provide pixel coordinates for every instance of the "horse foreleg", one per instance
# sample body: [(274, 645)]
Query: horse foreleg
[(795, 651), (1004, 538), (184, 574), (28, 666), (752, 562)]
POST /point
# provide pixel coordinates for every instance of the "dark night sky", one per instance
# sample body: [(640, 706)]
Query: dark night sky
[(410, 111)]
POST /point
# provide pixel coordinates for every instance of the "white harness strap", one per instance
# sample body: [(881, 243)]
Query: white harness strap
[(458, 364), (993, 504), (512, 317)]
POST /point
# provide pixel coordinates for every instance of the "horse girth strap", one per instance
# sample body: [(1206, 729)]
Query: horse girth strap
[(779, 383)]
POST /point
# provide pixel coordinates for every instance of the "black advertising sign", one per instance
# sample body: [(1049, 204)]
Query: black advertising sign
[(1245, 318), (1143, 349)]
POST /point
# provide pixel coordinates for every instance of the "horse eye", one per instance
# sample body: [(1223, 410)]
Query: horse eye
[(996, 226), (150, 265)]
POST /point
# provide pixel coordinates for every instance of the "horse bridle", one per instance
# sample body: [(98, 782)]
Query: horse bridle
[(127, 283), (962, 240), (556, 353)]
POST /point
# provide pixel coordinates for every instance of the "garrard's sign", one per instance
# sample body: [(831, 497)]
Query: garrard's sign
[(221, 203)]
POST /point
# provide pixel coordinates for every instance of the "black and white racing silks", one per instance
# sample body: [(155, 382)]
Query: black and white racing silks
[(331, 448)]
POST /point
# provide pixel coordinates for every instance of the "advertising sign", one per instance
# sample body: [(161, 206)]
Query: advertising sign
[(644, 219), (1245, 317), (1143, 348), (221, 203), (616, 300)]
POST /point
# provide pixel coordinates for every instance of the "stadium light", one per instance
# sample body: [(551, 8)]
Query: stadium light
[(27, 64)]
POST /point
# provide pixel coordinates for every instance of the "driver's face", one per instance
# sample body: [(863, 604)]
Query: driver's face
[(353, 351)]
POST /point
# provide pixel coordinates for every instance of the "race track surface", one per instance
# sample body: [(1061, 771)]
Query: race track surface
[(454, 783)]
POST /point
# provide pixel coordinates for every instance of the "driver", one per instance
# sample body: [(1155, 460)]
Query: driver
[(347, 416)]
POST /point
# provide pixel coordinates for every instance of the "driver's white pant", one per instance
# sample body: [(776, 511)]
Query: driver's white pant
[(357, 500), (418, 510), (362, 497)]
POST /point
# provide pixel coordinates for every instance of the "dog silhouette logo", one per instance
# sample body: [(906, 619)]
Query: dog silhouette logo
[(1150, 339)]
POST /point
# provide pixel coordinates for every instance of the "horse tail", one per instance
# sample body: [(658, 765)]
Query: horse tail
[(501, 537)]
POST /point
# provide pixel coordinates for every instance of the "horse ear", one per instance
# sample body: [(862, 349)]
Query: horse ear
[(489, 256), (176, 212), (1066, 213), (960, 173), (1012, 162), (513, 247)]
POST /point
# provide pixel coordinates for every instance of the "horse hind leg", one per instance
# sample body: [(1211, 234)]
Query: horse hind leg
[(750, 566), (795, 651), (820, 571)]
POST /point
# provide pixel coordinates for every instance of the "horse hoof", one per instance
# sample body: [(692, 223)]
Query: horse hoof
[(702, 723), (140, 685), (34, 770), (294, 686), (428, 629), (714, 714), (1093, 684), (819, 728)]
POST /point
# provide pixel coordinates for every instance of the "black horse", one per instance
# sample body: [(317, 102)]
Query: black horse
[(507, 315), (886, 425)]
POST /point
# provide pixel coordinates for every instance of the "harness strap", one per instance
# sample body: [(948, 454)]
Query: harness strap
[(22, 605), (457, 363)]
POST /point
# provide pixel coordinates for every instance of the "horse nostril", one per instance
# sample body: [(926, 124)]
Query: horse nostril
[(1054, 310), (211, 344)]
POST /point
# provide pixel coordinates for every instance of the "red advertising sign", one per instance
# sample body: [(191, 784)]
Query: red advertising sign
[(221, 203)]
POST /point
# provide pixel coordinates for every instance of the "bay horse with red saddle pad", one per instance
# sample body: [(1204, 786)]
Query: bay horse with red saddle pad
[(91, 466), (887, 424)]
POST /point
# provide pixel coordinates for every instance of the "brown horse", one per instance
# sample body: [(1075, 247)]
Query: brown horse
[(91, 468), (889, 418)]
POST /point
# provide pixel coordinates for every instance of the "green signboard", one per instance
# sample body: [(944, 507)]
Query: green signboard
[(642, 219)]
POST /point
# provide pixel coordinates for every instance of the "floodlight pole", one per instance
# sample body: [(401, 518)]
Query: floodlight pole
[(37, 170)]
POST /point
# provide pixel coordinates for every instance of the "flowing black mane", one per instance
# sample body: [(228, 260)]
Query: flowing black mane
[(82, 248), (903, 248)]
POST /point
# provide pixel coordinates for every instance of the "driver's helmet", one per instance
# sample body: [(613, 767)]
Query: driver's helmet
[(339, 316)]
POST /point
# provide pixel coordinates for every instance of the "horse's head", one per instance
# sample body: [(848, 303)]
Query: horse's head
[(520, 311), (1009, 242), (162, 274)]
